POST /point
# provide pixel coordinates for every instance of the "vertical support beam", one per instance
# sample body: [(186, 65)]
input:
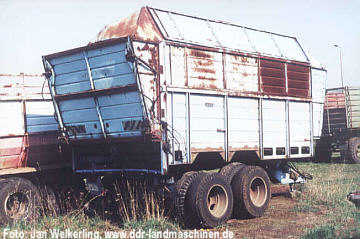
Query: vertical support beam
[(224, 70), (188, 144), (226, 122), (95, 97), (286, 79), (287, 120), (261, 129), (311, 129), (172, 125)]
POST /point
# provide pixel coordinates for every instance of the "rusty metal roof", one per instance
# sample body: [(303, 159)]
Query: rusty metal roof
[(155, 25)]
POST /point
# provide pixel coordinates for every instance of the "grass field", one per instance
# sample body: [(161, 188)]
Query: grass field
[(319, 210)]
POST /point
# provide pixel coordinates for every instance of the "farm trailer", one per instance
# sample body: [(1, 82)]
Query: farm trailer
[(30, 160), (341, 125), (169, 95)]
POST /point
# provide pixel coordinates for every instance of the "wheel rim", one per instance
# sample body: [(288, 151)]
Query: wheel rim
[(217, 200), (16, 205), (258, 192)]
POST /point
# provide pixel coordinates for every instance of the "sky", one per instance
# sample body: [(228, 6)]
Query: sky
[(32, 28)]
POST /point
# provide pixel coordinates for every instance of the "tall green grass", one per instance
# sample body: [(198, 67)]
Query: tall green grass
[(326, 195)]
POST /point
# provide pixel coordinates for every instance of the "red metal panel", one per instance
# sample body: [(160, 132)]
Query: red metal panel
[(272, 75), (334, 100), (298, 80), (12, 151)]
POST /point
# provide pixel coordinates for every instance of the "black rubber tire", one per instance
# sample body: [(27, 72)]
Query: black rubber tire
[(49, 201), (182, 188), (247, 179), (198, 200), (322, 152), (230, 170), (27, 191), (354, 144)]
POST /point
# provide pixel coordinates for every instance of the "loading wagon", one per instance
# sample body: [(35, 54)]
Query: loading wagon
[(169, 95), (341, 125)]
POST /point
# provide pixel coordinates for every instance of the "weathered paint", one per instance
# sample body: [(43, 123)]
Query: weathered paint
[(216, 87), (100, 111), (139, 26), (353, 102), (341, 110), (28, 129), (208, 32)]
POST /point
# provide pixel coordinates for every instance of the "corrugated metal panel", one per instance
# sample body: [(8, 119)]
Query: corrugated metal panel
[(40, 116), (354, 107), (178, 66), (241, 73), (204, 69), (317, 119), (299, 130), (11, 123), (273, 77), (207, 123), (243, 124), (23, 86), (12, 151), (178, 120), (274, 127), (219, 34), (298, 77), (318, 79), (25, 98), (334, 119), (91, 116)]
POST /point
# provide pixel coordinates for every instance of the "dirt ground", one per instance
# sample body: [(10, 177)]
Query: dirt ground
[(279, 221)]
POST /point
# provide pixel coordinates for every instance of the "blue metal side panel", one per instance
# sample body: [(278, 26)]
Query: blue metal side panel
[(40, 116), (119, 114)]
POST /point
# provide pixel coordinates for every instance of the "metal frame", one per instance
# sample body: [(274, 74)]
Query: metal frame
[(95, 97), (51, 85)]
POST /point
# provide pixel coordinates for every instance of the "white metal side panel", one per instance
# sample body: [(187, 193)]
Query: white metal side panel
[(178, 66), (318, 80), (207, 124), (177, 115), (241, 73), (318, 110), (274, 126), (204, 69), (11, 118), (243, 124), (300, 128), (40, 116)]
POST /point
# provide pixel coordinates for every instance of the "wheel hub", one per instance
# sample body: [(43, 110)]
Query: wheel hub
[(217, 200), (258, 192), (16, 205)]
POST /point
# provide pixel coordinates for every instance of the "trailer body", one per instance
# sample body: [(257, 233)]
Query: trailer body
[(341, 122), (154, 92), (28, 129)]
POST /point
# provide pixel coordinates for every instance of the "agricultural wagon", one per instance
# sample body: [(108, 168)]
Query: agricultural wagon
[(341, 125), (30, 157), (170, 95)]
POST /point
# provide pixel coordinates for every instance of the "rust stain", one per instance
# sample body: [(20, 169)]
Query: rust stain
[(207, 149), (125, 27), (200, 54), (205, 70), (244, 148), (138, 26), (206, 78)]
